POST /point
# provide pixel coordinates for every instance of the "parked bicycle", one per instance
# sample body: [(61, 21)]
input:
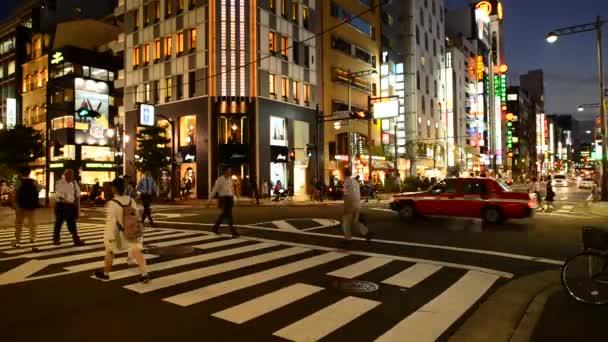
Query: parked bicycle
[(585, 275)]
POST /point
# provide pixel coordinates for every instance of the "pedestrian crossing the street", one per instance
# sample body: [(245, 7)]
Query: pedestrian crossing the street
[(287, 289)]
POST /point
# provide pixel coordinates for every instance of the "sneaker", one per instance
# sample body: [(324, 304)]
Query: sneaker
[(144, 278), (79, 243), (15, 244), (131, 261), (216, 230), (56, 242), (368, 237), (102, 276)]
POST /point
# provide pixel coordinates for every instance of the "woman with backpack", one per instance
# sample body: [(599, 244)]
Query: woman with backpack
[(122, 232)]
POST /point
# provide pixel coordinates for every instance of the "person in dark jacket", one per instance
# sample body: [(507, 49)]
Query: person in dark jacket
[(550, 196)]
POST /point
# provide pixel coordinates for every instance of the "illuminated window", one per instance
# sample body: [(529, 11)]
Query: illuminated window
[(157, 10), (307, 93), (146, 15), (146, 54), (272, 42), (136, 19), (272, 4), (169, 88), (284, 8), (284, 87), (294, 10), (147, 94), (168, 46), (192, 39), (25, 82), (284, 46), (39, 79), (305, 16), (272, 84), (180, 6), (168, 9), (296, 98), (180, 43), (156, 50), (135, 56)]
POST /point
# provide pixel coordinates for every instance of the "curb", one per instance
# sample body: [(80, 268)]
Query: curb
[(502, 314), (528, 323)]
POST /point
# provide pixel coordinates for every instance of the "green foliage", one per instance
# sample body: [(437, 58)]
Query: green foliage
[(152, 152), (20, 146)]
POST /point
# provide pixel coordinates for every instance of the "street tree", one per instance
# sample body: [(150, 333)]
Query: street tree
[(21, 145), (153, 154)]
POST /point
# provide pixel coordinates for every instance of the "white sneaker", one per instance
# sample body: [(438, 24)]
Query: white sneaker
[(131, 261)]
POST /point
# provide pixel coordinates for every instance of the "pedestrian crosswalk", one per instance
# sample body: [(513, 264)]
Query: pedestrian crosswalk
[(299, 224), (251, 280)]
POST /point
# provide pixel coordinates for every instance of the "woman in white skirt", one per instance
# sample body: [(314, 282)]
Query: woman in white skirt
[(114, 239)]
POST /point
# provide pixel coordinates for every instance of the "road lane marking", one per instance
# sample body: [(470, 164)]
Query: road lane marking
[(412, 275), (182, 241), (218, 289), (284, 225), (359, 268), (399, 243), (41, 230), (45, 239), (267, 303), (22, 271), (192, 260), (327, 320), (190, 298), (99, 264), (436, 316), (590, 197)]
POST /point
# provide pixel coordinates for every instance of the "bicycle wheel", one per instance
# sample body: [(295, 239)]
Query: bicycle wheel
[(585, 277)]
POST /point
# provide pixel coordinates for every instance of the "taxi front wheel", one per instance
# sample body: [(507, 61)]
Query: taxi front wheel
[(492, 215), (406, 212)]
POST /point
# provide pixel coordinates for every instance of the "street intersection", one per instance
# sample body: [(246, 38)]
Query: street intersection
[(286, 278)]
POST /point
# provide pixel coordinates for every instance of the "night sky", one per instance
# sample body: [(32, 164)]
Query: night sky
[(570, 65)]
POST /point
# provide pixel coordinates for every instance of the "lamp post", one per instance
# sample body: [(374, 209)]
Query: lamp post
[(351, 161), (597, 27)]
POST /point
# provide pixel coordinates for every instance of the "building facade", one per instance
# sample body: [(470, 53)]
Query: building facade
[(351, 56), (532, 83), (236, 79)]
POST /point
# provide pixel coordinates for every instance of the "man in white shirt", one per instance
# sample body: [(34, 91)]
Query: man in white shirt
[(224, 189), (352, 208), (67, 206)]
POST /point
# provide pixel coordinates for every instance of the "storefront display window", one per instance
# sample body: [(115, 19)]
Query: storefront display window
[(97, 153), (233, 129), (187, 173), (187, 129), (278, 133)]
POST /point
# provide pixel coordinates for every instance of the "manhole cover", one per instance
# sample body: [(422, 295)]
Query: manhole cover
[(170, 250), (355, 286)]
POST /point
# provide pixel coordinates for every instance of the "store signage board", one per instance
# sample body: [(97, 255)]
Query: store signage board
[(386, 109), (147, 115), (99, 165)]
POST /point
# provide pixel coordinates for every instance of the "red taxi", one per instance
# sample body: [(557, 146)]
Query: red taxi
[(486, 198)]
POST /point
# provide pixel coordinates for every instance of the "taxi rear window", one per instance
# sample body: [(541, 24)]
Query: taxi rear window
[(504, 186)]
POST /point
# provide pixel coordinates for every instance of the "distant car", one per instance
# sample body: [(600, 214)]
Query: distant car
[(560, 180), (586, 183), (486, 198)]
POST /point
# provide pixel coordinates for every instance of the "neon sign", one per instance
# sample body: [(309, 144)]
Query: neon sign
[(57, 57), (480, 67), (485, 6)]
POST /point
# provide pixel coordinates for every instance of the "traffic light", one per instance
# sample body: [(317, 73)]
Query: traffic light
[(87, 113), (292, 154), (362, 115), (57, 149)]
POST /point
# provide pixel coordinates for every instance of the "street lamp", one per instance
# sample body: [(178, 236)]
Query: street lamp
[(597, 27), (351, 144)]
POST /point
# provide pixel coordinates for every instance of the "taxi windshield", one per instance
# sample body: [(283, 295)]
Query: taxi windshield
[(504, 186)]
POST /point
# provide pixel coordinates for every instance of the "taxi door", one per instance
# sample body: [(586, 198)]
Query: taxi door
[(448, 201), (475, 197)]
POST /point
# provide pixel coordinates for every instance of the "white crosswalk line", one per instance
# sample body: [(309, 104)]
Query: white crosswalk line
[(92, 242), (436, 316), (199, 273), (93, 246), (262, 305), (22, 271), (40, 230), (99, 264), (48, 239), (222, 288), (359, 268), (327, 320), (192, 260), (220, 243), (412, 275), (183, 241)]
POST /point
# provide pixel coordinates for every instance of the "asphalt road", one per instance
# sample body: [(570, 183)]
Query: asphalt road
[(286, 278)]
